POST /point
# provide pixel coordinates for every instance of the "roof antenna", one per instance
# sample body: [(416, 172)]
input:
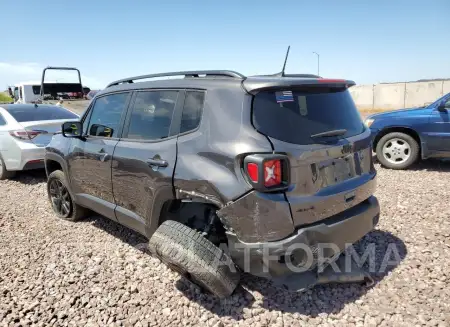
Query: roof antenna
[(285, 60)]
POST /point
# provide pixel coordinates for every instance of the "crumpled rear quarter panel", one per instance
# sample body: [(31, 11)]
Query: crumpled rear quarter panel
[(259, 217)]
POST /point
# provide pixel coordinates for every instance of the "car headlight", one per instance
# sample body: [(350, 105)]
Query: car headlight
[(368, 122)]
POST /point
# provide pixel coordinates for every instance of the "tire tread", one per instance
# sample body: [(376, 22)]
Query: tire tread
[(178, 244)]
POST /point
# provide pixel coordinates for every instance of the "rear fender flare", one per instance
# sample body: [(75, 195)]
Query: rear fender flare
[(162, 195)]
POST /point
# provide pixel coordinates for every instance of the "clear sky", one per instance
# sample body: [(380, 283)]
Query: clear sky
[(367, 41)]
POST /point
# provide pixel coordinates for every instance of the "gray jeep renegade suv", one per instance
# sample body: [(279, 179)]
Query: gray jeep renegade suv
[(260, 164)]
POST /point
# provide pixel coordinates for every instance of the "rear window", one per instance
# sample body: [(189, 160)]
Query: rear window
[(293, 116), (32, 113)]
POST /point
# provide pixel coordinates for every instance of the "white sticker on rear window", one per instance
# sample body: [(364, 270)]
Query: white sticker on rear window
[(302, 105)]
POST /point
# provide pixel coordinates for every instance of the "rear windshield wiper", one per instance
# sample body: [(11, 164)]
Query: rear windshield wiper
[(335, 132)]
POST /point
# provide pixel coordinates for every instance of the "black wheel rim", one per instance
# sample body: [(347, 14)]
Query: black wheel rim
[(60, 197)]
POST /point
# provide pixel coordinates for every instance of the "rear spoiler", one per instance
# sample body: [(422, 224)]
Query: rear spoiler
[(54, 88), (254, 85)]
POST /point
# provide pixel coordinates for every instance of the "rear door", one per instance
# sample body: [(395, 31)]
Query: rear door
[(145, 157), (328, 173), (91, 156)]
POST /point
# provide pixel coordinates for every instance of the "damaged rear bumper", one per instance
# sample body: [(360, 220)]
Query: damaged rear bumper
[(300, 252)]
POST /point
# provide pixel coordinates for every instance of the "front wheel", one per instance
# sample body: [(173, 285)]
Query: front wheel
[(397, 150), (60, 198)]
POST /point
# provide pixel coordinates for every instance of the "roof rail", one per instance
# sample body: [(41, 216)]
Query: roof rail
[(225, 73)]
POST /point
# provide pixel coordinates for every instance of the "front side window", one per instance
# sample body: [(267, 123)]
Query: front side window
[(2, 121), (152, 115), (16, 93), (447, 102), (192, 110), (106, 115), (439, 101)]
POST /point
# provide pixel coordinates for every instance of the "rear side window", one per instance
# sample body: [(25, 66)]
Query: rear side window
[(27, 113), (192, 110), (2, 121), (293, 116), (152, 115), (106, 115), (36, 89)]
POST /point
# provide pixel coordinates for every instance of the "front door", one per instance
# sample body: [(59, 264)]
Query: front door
[(438, 131), (90, 162), (145, 157)]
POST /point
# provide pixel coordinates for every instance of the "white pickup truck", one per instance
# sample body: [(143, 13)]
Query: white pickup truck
[(33, 92)]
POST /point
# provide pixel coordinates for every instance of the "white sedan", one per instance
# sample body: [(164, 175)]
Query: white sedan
[(25, 131)]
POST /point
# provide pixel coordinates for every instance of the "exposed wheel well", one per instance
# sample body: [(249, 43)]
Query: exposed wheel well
[(404, 130), (196, 215), (52, 165)]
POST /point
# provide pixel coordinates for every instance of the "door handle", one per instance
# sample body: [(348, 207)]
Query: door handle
[(103, 155), (157, 162)]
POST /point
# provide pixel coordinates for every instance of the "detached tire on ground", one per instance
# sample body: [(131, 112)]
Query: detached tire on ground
[(189, 253), (397, 150), (61, 200)]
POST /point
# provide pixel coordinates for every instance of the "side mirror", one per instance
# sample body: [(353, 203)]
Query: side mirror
[(442, 107), (101, 130), (72, 129)]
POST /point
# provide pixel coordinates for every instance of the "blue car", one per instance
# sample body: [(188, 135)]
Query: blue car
[(402, 137)]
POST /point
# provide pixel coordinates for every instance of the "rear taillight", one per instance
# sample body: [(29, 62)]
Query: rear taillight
[(253, 171), (267, 172), (25, 135), (272, 173)]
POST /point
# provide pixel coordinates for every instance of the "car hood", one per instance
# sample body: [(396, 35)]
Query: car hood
[(399, 113)]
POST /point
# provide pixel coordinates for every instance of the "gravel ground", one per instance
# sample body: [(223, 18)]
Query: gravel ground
[(93, 273)]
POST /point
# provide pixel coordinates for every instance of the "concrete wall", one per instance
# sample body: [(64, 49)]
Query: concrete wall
[(398, 95), (389, 96), (363, 96), (421, 93), (446, 87)]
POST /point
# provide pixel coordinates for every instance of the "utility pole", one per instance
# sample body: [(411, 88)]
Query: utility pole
[(318, 62)]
